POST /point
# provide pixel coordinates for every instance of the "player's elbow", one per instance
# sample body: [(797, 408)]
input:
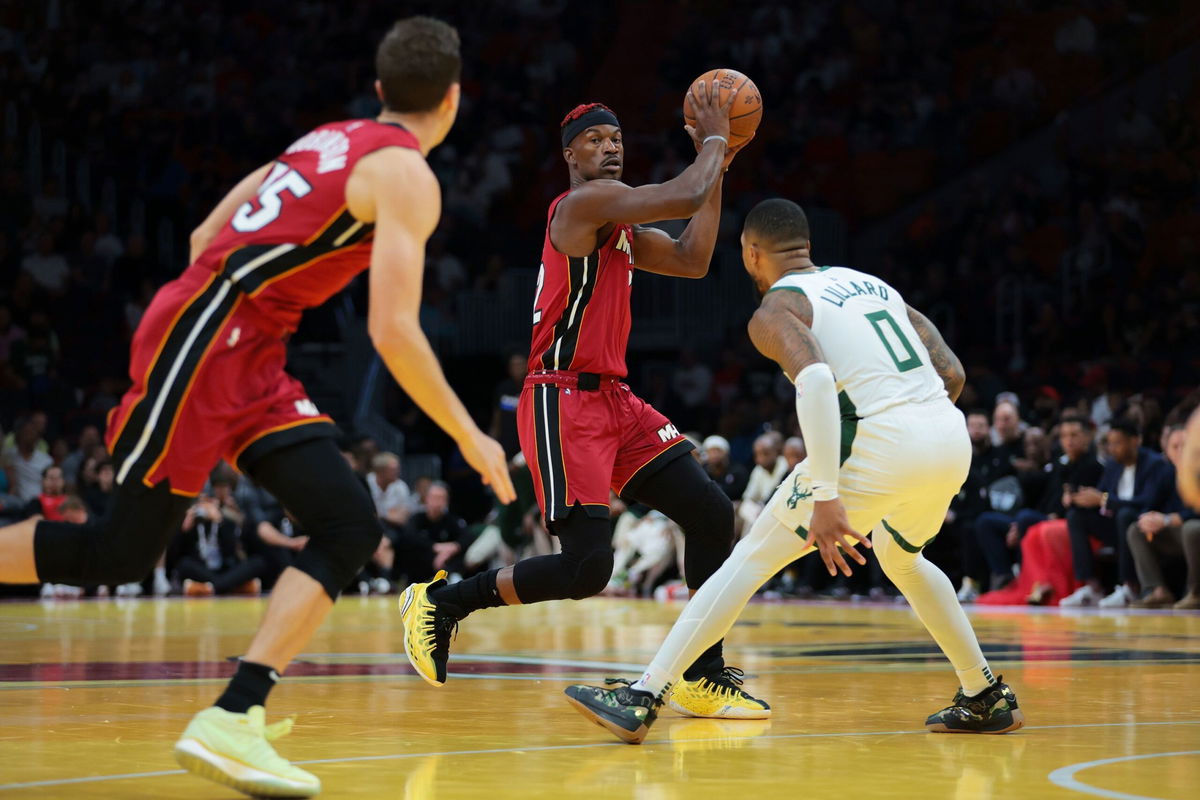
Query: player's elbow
[(390, 333)]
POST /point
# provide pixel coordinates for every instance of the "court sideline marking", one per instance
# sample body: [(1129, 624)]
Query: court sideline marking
[(585, 746), (1065, 776)]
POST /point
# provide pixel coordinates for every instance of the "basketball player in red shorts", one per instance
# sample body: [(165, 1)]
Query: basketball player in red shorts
[(583, 432), (208, 383)]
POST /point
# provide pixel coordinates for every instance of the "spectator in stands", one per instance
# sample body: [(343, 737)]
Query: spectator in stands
[(1167, 531), (770, 467), (49, 500), (1132, 476), (74, 510), (505, 397), (47, 266), (391, 495), (98, 495), (794, 451), (1001, 534), (280, 540), (89, 438), (212, 560), (988, 464), (730, 476), (435, 538), (1007, 428), (25, 461)]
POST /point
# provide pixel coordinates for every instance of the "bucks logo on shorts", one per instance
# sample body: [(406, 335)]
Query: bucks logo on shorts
[(798, 494)]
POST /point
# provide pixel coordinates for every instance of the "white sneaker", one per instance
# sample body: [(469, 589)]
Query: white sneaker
[(162, 586), (969, 592), (1120, 598), (47, 592), (129, 589), (1083, 596), (235, 750), (381, 585)]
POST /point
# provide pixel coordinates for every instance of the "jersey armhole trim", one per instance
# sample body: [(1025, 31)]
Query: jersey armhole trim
[(787, 289)]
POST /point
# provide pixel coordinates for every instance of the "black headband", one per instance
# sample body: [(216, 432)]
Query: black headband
[(597, 116)]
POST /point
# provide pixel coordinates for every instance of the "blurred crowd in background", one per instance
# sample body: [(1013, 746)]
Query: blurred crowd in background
[(1067, 281)]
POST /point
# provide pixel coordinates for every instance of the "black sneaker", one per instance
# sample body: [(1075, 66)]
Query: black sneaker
[(625, 712), (992, 711)]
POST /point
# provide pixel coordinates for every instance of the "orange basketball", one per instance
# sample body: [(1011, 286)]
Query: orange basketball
[(747, 108)]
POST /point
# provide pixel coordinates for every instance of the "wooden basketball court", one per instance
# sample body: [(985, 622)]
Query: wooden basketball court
[(93, 693)]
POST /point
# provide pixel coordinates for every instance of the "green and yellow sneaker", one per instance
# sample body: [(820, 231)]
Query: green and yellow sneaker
[(717, 696), (625, 712), (427, 630), (992, 711), (235, 750)]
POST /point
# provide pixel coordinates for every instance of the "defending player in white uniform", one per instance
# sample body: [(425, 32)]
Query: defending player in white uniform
[(887, 450)]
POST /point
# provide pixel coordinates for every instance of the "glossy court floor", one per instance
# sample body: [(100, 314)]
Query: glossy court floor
[(93, 693)]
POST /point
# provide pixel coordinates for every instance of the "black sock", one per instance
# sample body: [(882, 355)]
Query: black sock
[(472, 594), (249, 686), (710, 661)]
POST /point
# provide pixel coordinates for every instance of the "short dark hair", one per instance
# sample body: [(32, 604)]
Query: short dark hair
[(981, 412), (1078, 418), (778, 220), (416, 62), (1127, 426)]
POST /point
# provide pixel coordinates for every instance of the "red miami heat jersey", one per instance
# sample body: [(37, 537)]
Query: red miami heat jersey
[(581, 309), (295, 244)]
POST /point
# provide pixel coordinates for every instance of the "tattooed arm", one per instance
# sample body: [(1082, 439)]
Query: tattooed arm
[(781, 331), (944, 361)]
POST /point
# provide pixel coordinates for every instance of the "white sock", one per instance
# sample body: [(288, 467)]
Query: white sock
[(654, 680), (976, 679), (160, 572)]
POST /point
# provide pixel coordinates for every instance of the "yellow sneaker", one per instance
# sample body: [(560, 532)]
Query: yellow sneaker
[(426, 630), (717, 696), (234, 750)]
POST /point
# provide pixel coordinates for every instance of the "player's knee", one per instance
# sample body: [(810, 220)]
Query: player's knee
[(92, 554), (896, 562), (708, 517), (592, 573), (341, 540)]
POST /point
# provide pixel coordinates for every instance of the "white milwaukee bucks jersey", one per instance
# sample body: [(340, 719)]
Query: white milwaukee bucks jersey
[(873, 350)]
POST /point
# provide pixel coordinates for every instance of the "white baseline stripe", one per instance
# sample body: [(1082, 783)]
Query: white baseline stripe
[(1065, 776), (591, 745), (161, 400)]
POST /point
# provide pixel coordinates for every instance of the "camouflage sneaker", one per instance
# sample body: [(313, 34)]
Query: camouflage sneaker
[(991, 711), (627, 713)]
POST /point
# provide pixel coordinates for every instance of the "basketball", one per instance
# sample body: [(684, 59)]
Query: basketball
[(747, 109)]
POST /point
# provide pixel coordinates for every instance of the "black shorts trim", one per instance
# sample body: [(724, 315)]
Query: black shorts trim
[(681, 448), (276, 440)]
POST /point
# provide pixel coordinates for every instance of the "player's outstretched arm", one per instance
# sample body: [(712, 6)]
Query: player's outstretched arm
[(780, 329), (689, 255), (396, 189), (207, 231), (944, 361)]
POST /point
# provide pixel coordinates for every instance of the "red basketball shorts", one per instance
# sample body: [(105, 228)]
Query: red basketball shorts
[(208, 384), (580, 444)]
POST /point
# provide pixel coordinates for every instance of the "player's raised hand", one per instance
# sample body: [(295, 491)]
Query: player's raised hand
[(486, 456), (712, 116), (828, 529)]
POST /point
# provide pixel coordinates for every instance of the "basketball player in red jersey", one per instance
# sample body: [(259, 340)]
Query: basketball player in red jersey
[(583, 432), (208, 383)]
